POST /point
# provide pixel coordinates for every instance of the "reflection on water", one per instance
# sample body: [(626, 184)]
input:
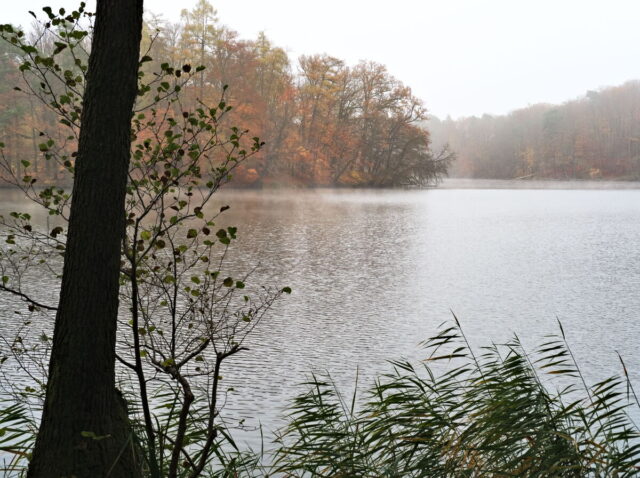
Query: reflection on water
[(375, 272)]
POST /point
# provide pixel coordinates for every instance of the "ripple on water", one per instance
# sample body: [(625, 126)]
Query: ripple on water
[(375, 272)]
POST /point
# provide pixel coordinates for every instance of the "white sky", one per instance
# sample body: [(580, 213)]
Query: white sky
[(462, 57)]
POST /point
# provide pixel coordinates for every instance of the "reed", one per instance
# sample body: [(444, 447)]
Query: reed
[(501, 412), (497, 411)]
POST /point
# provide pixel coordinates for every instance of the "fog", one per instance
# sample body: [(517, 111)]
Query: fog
[(462, 57), (469, 183)]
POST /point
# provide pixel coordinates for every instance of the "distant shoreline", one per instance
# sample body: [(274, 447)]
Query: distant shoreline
[(446, 183), (469, 183)]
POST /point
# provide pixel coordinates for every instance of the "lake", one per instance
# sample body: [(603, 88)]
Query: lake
[(374, 272)]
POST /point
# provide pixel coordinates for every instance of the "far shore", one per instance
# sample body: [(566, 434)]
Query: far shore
[(446, 183), (471, 183)]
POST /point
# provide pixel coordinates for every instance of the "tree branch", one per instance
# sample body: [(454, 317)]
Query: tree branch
[(26, 298)]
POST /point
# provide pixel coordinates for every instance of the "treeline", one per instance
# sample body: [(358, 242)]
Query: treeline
[(323, 122), (597, 136)]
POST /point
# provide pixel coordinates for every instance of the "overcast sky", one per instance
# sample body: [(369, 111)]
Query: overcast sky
[(462, 57)]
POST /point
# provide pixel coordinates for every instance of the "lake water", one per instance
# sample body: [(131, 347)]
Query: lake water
[(374, 272)]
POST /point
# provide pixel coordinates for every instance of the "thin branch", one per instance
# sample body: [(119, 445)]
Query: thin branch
[(26, 298)]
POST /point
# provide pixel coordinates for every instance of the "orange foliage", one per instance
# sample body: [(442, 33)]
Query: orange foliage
[(324, 124)]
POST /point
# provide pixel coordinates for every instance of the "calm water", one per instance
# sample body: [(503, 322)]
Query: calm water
[(374, 272)]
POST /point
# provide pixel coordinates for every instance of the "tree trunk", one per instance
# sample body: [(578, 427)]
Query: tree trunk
[(85, 430)]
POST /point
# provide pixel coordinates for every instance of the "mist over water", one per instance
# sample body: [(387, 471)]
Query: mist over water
[(374, 272), (468, 183)]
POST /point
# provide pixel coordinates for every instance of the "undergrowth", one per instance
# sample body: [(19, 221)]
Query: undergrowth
[(497, 412)]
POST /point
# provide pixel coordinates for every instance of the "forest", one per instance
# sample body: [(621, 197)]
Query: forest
[(122, 376), (326, 123), (593, 137), (323, 123)]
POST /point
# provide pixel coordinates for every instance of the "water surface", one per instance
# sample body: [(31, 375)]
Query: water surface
[(375, 272)]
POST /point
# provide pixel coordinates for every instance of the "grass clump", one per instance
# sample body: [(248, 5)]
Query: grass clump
[(501, 413)]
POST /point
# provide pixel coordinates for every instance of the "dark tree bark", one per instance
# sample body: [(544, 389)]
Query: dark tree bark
[(85, 430)]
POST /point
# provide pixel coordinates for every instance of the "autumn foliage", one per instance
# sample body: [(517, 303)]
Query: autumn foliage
[(324, 123)]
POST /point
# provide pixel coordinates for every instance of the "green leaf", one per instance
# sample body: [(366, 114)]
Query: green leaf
[(228, 282), (169, 279), (168, 362), (59, 47), (222, 236), (286, 290), (192, 233), (145, 235)]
